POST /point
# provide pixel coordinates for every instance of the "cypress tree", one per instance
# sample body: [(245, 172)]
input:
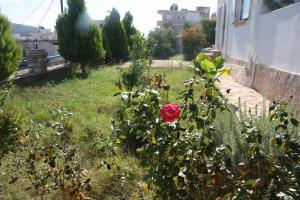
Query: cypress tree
[(130, 29), (10, 52), (79, 39), (114, 35)]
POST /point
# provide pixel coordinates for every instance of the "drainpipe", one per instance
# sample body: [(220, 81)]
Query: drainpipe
[(256, 12)]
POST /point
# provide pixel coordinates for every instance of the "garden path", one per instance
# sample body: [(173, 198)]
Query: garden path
[(243, 98)]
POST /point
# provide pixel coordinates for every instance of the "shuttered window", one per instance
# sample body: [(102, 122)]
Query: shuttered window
[(242, 9), (245, 11)]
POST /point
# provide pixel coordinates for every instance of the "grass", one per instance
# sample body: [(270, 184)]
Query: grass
[(93, 105)]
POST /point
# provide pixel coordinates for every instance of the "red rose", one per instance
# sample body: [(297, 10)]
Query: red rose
[(170, 112)]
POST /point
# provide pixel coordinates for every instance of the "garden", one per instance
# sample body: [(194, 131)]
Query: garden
[(102, 131)]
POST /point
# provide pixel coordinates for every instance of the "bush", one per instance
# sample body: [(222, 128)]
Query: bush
[(187, 159), (138, 54), (163, 41), (209, 29), (193, 39), (115, 38), (10, 51)]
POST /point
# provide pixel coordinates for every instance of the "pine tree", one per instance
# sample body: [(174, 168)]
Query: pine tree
[(130, 29), (79, 39), (10, 52), (114, 35)]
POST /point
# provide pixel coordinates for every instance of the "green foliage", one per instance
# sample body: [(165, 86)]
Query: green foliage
[(138, 53), (10, 51), (79, 40), (129, 27), (274, 5), (54, 165), (11, 122), (209, 29), (163, 42), (204, 65), (115, 38), (186, 158), (193, 39)]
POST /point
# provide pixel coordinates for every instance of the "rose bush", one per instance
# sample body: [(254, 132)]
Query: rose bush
[(185, 158)]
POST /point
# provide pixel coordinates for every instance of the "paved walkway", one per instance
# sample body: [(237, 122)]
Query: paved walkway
[(164, 63), (243, 98)]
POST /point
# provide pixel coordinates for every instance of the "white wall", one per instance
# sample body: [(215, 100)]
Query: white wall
[(237, 38), (278, 39)]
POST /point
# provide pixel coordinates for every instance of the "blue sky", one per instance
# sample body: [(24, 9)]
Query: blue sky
[(144, 11)]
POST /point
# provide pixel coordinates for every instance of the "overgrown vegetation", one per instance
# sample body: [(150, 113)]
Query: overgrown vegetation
[(186, 157)]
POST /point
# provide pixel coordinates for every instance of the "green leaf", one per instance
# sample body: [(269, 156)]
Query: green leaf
[(295, 122)]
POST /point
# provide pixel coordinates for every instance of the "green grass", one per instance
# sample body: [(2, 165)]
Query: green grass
[(93, 105)]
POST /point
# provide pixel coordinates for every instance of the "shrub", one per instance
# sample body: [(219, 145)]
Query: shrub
[(115, 37), (163, 41), (138, 54), (193, 39), (209, 29), (187, 160), (10, 51), (79, 40)]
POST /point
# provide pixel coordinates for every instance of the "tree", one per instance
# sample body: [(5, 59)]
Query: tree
[(209, 28), (79, 39), (193, 39), (114, 35), (130, 29), (10, 52), (163, 41)]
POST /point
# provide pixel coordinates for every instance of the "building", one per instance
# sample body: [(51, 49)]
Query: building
[(177, 18), (261, 46), (100, 23), (43, 38)]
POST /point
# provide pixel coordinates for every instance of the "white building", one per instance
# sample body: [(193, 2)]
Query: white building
[(177, 18), (261, 46)]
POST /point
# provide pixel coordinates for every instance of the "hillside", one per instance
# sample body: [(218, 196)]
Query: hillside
[(23, 29)]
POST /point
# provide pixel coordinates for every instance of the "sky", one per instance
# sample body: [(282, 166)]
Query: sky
[(144, 11)]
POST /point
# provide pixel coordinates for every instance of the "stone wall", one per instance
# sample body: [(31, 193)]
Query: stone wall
[(272, 83)]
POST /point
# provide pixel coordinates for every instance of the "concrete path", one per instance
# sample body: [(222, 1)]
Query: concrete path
[(164, 63), (244, 99)]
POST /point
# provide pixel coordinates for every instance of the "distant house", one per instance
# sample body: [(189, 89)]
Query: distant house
[(44, 38), (100, 23), (177, 18), (261, 46)]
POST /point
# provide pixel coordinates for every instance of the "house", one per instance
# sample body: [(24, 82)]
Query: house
[(261, 46), (100, 23), (177, 18)]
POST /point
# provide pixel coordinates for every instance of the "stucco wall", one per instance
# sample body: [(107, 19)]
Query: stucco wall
[(278, 39), (237, 38)]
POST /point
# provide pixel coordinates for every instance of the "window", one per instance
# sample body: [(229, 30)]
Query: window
[(183, 17), (242, 9), (178, 17)]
